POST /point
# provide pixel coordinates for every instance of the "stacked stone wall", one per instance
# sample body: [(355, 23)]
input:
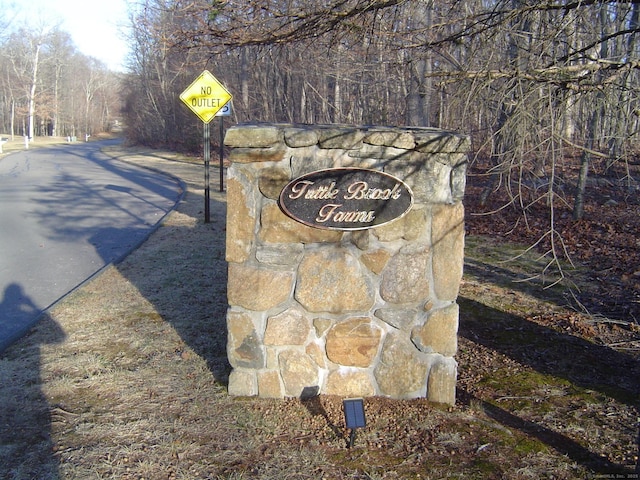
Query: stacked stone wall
[(354, 313)]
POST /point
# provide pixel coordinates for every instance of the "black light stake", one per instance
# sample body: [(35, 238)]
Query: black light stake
[(354, 416)]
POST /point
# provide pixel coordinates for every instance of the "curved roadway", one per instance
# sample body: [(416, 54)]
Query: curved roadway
[(65, 213)]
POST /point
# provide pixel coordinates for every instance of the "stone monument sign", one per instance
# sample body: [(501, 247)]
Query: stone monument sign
[(345, 252)]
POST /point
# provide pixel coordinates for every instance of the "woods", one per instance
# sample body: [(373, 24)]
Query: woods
[(49, 88), (529, 81)]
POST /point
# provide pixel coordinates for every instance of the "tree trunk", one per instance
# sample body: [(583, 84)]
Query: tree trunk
[(244, 81), (578, 205), (416, 111), (32, 91), (13, 118)]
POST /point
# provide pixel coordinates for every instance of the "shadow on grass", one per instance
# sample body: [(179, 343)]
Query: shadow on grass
[(549, 352), (183, 273), (560, 443), (513, 280), (26, 447), (312, 402)]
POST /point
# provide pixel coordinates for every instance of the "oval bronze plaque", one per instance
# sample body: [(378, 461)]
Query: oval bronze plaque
[(346, 199)]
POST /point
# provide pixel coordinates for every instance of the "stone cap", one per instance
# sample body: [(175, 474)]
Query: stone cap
[(347, 137)]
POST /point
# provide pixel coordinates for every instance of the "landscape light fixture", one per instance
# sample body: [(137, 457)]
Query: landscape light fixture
[(354, 416)]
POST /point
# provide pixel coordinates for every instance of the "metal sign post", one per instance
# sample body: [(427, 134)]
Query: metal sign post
[(206, 96), (206, 138), (221, 154), (223, 112)]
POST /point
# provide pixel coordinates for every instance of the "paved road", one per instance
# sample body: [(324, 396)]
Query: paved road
[(65, 213)]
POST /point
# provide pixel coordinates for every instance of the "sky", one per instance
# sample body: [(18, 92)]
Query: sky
[(96, 26)]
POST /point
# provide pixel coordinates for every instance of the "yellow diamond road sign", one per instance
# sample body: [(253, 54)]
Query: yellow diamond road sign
[(205, 96)]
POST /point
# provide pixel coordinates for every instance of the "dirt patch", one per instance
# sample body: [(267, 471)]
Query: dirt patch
[(126, 378)]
